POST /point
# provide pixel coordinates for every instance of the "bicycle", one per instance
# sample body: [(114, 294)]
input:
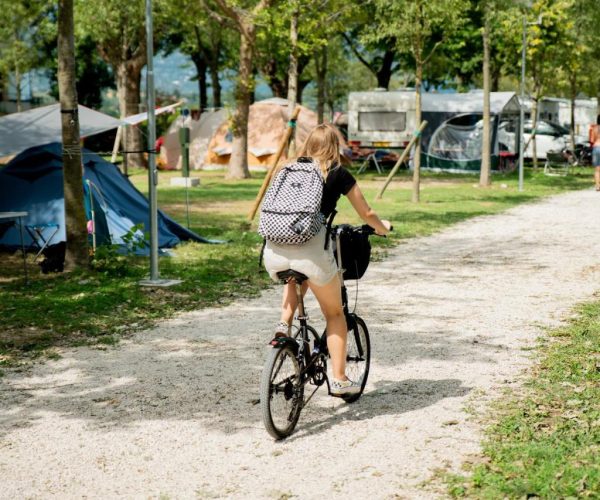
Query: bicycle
[(300, 360)]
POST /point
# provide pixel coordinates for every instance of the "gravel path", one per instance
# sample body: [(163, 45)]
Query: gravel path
[(172, 413)]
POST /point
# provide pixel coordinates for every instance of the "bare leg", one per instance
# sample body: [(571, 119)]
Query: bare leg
[(597, 178), (290, 301), (330, 300)]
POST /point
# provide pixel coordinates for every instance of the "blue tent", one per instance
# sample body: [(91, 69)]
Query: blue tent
[(33, 182)]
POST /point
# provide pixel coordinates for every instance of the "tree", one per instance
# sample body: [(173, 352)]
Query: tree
[(246, 22), (587, 19), (292, 94), (282, 49), (205, 41), (93, 75), (118, 28), (343, 74), (76, 253), (379, 54), (578, 72), (24, 27), (547, 32), (484, 174), (420, 27)]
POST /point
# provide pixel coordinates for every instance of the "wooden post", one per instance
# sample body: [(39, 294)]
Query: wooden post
[(403, 156), (273, 166), (116, 145)]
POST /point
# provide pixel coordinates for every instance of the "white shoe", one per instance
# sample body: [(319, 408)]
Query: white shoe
[(282, 330), (343, 387)]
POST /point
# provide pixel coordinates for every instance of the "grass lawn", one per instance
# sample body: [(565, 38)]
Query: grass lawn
[(545, 439), (99, 306)]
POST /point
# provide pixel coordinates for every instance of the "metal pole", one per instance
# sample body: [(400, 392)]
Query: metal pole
[(23, 249), (184, 141), (522, 112), (152, 172)]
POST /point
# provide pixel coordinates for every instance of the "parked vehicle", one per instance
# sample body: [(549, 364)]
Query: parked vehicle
[(549, 137), (381, 119)]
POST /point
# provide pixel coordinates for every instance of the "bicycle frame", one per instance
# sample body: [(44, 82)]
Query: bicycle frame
[(307, 359)]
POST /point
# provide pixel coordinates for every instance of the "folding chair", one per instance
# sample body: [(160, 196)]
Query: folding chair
[(41, 236), (367, 162)]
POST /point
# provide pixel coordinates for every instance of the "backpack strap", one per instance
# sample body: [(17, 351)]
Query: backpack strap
[(262, 252), (328, 230)]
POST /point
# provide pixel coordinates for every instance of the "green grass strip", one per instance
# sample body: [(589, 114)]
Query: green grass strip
[(545, 441)]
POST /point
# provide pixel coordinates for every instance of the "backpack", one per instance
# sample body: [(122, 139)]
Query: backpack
[(291, 213)]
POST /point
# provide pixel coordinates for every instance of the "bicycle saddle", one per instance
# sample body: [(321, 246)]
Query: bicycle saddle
[(290, 274)]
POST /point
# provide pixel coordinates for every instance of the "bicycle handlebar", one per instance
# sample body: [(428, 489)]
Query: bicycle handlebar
[(365, 228)]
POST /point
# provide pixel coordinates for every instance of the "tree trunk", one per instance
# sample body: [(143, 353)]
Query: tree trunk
[(213, 68), (573, 81), (292, 93), (496, 73), (302, 84), (416, 194), (129, 77), (201, 68), (533, 140), (484, 174), (384, 74), (238, 162), (210, 55), (75, 224), (18, 87), (278, 87), (321, 71)]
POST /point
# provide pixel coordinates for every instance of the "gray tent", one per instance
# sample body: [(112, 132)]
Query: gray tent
[(201, 133), (34, 127)]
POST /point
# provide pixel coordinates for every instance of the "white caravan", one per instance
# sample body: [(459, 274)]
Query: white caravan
[(381, 119)]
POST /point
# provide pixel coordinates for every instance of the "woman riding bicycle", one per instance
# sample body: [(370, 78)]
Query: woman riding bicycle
[(316, 260)]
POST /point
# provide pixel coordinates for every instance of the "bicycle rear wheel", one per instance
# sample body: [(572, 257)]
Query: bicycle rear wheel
[(358, 357), (281, 392)]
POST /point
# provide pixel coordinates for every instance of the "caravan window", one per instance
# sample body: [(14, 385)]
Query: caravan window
[(382, 120)]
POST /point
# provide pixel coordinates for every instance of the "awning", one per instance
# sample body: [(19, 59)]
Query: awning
[(470, 102), (141, 117)]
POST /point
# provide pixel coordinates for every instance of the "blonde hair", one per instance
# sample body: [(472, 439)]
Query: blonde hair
[(322, 145)]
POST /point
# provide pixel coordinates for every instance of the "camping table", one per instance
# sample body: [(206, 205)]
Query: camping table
[(18, 216)]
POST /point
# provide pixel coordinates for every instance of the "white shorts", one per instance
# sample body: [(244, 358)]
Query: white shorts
[(310, 259)]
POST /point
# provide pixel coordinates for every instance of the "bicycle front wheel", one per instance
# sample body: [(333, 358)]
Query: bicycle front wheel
[(358, 356), (281, 392)]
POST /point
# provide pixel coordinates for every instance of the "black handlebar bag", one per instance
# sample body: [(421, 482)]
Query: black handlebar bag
[(356, 252)]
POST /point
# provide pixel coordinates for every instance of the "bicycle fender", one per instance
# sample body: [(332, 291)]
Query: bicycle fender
[(285, 341)]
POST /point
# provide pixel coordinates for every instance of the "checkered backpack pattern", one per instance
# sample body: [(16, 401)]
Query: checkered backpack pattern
[(291, 213)]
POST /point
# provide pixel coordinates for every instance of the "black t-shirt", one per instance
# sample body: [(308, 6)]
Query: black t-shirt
[(339, 182)]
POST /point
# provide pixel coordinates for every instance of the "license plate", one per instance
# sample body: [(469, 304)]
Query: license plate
[(381, 144)]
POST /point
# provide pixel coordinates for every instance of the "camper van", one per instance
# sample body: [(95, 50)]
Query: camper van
[(381, 118)]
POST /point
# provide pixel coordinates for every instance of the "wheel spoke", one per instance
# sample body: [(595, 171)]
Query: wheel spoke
[(358, 355)]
